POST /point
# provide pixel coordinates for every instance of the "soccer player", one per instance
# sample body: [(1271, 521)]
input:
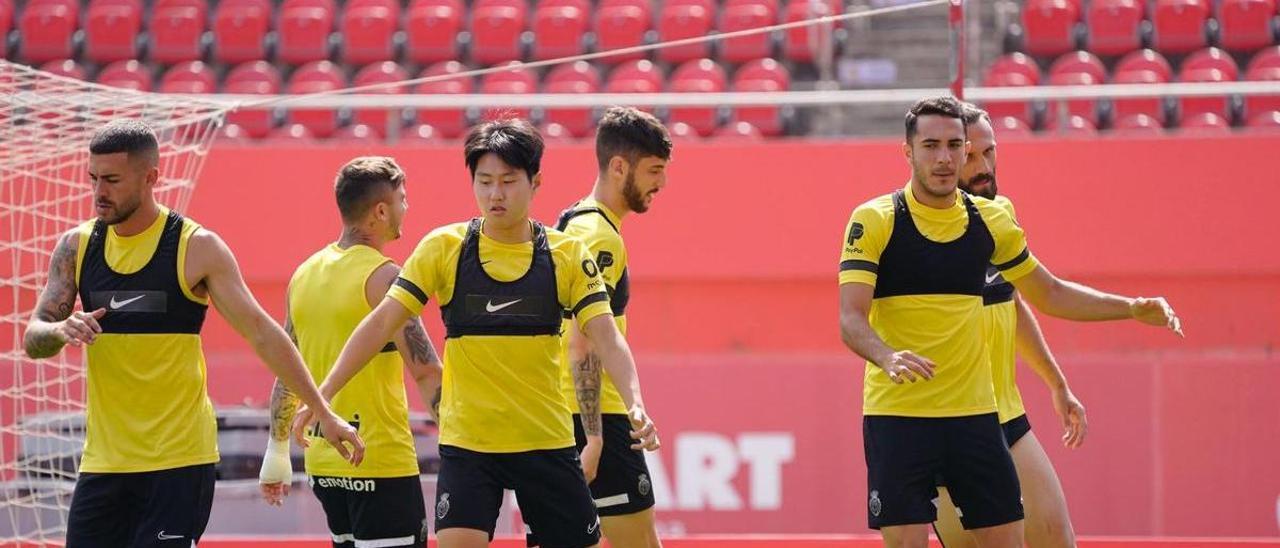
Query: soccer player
[(380, 502), (912, 273), (632, 150), (1012, 326), (503, 282), (145, 276)]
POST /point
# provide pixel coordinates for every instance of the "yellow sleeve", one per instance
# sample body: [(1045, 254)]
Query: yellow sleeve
[(581, 283), (864, 239), (420, 276), (1012, 257), (603, 244)]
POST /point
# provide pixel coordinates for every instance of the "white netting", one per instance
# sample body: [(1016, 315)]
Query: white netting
[(46, 122)]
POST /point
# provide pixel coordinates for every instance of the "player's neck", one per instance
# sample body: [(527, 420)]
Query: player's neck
[(141, 219), (927, 199), (514, 233), (353, 236), (611, 198)]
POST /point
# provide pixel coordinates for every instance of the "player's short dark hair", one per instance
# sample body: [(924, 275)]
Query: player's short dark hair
[(130, 136), (971, 113), (632, 134), (514, 140), (362, 181), (943, 105)]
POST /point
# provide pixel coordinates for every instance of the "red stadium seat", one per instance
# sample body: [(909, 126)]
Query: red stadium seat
[(620, 26), (678, 21), (368, 28), (1078, 68), (6, 23), (305, 27), (1138, 124), (1264, 67), (1012, 70), (1245, 25), (742, 16), (579, 77), (253, 78), (1205, 123), (556, 133), (315, 77), (231, 133), (111, 29), (1208, 65), (1141, 67), (448, 123), (65, 67), (291, 134), (380, 120), (1011, 127), (515, 82), (801, 44), (432, 29), (127, 75), (1049, 26), (1180, 25), (176, 29), (635, 77), (1076, 126), (1115, 26), (419, 134), (682, 132), (189, 77), (738, 132), (240, 30), (558, 30), (1269, 120), (355, 132), (496, 27), (764, 75), (698, 76), (46, 28)]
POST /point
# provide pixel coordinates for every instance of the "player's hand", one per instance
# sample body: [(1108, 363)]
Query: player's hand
[(1156, 312), (643, 430), (1074, 423), (339, 433), (81, 327), (908, 366), (590, 457), (303, 421), (276, 474)]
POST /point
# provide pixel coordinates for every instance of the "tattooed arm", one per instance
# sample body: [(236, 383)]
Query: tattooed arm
[(412, 342), (53, 324), (585, 367), (283, 402), (276, 473)]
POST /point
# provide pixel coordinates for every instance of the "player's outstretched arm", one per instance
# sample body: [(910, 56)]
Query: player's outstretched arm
[(412, 342), (856, 331), (1030, 344), (615, 356), (53, 324), (585, 367), (1072, 301), (276, 474), (216, 267)]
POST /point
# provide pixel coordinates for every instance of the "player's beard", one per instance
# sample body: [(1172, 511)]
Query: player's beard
[(122, 211), (631, 193), (925, 178), (989, 191)]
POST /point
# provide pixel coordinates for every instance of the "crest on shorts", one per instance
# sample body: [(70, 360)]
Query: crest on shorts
[(874, 505), (645, 485), (422, 533), (442, 507)]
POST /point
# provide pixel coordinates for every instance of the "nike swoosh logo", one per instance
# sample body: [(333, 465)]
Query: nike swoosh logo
[(993, 277), (117, 304), (163, 536), (491, 308), (591, 529)]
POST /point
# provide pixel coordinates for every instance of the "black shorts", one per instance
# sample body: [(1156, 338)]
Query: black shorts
[(906, 455), (373, 511), (1015, 428), (549, 485), (622, 485), (162, 509)]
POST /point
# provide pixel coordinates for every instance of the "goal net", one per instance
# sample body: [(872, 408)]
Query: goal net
[(46, 122)]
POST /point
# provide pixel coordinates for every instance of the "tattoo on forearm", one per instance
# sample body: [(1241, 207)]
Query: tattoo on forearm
[(284, 404), (587, 384), (288, 329), (420, 347), (57, 300)]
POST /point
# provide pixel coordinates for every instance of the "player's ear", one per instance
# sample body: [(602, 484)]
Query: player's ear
[(536, 181), (618, 166), (153, 176), (906, 150)]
